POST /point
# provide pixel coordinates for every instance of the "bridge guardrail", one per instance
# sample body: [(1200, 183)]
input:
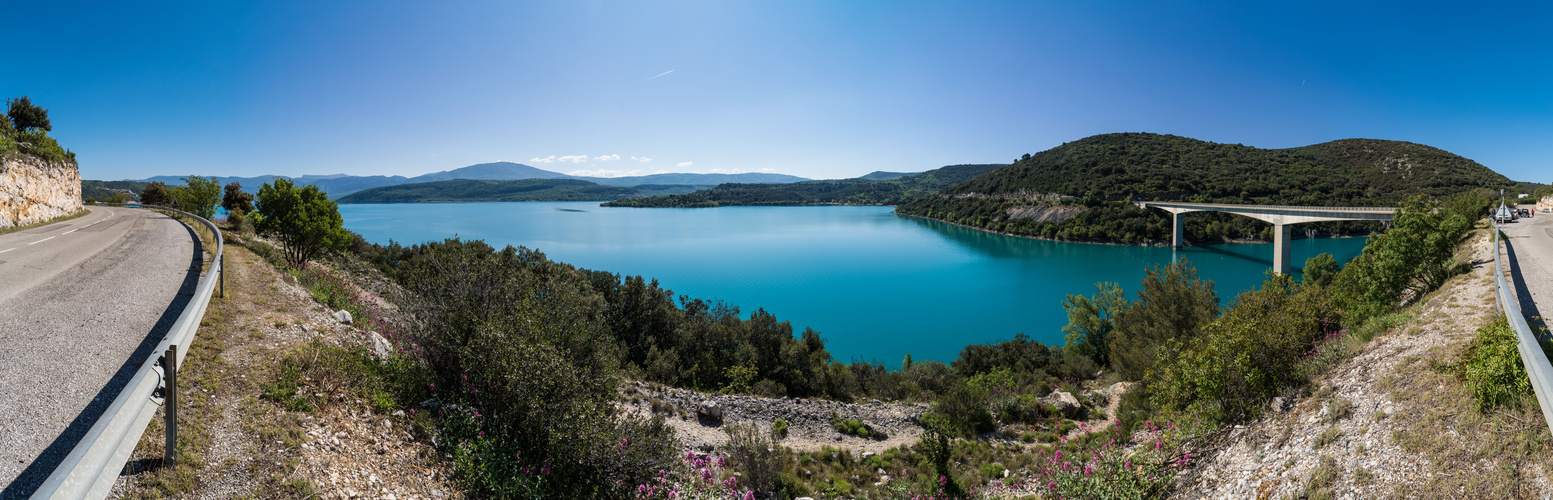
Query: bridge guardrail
[(92, 466), (1538, 368)]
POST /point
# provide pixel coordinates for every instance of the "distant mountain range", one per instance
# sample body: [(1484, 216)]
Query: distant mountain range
[(339, 185)]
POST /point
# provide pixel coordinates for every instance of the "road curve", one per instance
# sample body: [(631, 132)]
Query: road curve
[(1531, 265), (82, 302)]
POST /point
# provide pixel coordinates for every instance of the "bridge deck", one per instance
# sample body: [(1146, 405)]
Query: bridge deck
[(1282, 217)]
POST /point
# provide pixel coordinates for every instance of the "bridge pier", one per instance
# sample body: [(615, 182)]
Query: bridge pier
[(1180, 230), (1282, 233)]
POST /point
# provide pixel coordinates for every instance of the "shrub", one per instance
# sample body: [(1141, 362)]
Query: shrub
[(779, 428), (1492, 369), (1406, 261), (756, 455), (1247, 356), (1173, 304), (198, 196)]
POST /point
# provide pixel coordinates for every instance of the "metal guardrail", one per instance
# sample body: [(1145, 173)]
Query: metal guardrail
[(1538, 369), (91, 468)]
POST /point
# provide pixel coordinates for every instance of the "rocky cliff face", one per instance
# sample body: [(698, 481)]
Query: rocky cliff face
[(34, 190)]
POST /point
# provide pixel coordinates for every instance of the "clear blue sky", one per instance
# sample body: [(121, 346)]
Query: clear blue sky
[(821, 89)]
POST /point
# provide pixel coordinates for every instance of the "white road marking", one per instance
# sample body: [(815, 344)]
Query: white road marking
[(41, 241), (7, 250), (68, 232)]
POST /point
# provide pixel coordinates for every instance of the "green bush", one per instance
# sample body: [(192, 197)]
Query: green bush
[(779, 428), (1247, 356), (1492, 369), (1173, 304), (305, 221), (1413, 257)]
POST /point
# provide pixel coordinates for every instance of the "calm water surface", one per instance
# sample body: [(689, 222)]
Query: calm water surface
[(876, 285)]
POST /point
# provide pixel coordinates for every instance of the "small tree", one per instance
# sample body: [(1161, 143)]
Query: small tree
[(236, 199), (1320, 269), (1091, 320), (199, 196), (155, 193), (305, 220), (27, 117)]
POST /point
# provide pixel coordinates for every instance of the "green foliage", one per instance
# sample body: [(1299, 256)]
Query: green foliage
[(26, 117), (779, 428), (468, 190), (860, 191), (1411, 258), (236, 200), (103, 190), (1091, 320), (1244, 358), (198, 196), (156, 193), (1492, 369), (935, 446), (963, 410), (1320, 270), (1121, 167), (854, 427), (756, 456), (1173, 304), (304, 220), (522, 341)]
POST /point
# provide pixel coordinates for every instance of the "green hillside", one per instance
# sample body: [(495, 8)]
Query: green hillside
[(858, 191), (465, 190), (1103, 171)]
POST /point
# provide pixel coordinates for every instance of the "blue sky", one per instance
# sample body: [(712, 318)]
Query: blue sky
[(821, 89)]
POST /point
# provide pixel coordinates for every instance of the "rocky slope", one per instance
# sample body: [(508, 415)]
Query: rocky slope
[(34, 190)]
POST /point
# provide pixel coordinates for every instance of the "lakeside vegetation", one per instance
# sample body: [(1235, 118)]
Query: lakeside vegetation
[(1103, 173), (878, 188)]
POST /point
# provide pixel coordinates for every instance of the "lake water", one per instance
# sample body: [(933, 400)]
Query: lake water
[(876, 285)]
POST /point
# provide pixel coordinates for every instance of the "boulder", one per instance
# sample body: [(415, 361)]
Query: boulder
[(710, 408), (380, 346), (1066, 404), (343, 316)]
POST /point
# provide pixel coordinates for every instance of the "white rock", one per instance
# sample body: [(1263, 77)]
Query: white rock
[(380, 346), (343, 316), (711, 408)]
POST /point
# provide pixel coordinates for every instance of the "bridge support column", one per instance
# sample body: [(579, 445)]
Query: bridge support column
[(1180, 229), (1281, 235)]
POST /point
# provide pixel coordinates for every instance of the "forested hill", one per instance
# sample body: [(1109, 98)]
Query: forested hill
[(1022, 198), (1355, 172), (467, 190), (859, 191)]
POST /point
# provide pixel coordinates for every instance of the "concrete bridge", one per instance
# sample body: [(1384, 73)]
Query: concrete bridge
[(1283, 218)]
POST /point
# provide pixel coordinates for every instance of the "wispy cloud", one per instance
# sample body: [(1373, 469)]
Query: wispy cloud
[(660, 74), (606, 158), (605, 173), (642, 159), (684, 164), (573, 158), (547, 159), (725, 171)]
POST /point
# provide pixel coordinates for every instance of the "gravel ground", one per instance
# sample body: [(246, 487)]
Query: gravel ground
[(70, 341), (1531, 265)]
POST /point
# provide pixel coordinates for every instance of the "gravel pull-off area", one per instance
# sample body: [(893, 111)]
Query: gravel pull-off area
[(83, 303), (1376, 423)]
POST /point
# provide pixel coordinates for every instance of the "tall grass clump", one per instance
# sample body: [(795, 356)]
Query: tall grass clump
[(1492, 369)]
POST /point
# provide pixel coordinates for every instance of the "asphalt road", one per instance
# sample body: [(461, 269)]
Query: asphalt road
[(1531, 252), (82, 303)]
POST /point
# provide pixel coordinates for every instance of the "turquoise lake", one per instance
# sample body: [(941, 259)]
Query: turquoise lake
[(874, 284)]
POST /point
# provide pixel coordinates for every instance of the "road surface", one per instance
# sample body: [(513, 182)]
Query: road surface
[(1531, 266), (82, 302)]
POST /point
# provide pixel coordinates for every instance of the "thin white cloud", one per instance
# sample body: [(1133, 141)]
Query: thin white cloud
[(725, 171), (605, 173), (660, 74), (767, 170), (684, 164), (642, 159), (548, 159), (606, 158), (573, 158)]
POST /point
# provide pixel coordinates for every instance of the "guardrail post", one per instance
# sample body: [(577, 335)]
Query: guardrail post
[(170, 403)]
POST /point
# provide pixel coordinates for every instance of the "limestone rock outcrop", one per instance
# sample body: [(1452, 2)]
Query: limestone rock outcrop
[(35, 190)]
